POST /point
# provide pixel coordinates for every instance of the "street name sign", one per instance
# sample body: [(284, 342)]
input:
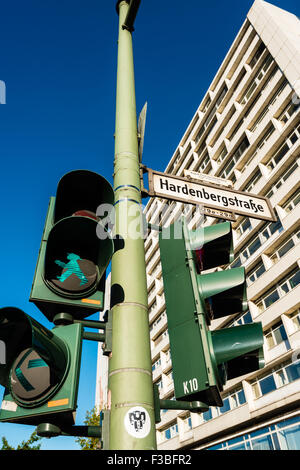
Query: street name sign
[(220, 199)]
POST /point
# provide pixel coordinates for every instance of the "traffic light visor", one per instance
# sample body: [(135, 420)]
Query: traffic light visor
[(240, 347), (81, 190), (212, 246), (224, 291)]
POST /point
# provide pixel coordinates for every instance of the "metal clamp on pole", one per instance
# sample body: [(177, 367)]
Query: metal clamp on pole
[(63, 319)]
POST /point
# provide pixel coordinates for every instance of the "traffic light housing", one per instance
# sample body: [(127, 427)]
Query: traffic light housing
[(41, 370), (70, 272), (204, 360)]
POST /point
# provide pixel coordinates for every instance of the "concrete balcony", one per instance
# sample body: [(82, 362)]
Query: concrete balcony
[(157, 308), (159, 327), (212, 429), (285, 304), (277, 351), (152, 262), (156, 373), (280, 397), (167, 417), (166, 365), (287, 188), (153, 248), (169, 444), (162, 345), (272, 274)]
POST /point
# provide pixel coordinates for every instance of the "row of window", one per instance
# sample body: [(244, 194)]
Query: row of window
[(282, 375), (256, 242), (281, 288), (285, 246), (284, 435), (257, 79), (289, 142)]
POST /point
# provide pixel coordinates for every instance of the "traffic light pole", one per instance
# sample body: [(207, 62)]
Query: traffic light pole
[(132, 421)]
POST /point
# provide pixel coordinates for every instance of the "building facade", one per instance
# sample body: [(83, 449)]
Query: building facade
[(246, 130)]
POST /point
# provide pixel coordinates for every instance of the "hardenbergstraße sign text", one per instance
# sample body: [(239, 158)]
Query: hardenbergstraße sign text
[(194, 192)]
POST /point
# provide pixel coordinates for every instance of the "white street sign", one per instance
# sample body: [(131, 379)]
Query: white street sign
[(209, 195)]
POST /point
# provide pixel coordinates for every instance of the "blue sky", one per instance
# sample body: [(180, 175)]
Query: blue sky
[(58, 61)]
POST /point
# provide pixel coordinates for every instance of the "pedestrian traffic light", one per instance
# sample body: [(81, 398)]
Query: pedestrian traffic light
[(204, 360), (41, 370), (74, 253)]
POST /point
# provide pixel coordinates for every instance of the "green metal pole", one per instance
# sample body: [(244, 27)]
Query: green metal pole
[(132, 420)]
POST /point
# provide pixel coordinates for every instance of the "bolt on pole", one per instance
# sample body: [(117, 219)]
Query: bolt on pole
[(132, 421)]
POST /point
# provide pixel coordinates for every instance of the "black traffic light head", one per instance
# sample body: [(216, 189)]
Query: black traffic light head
[(70, 273), (202, 359), (41, 369)]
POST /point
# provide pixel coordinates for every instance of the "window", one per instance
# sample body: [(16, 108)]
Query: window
[(283, 150), (206, 105), (268, 107), (222, 155), (282, 288), (235, 157), (282, 179), (156, 365), (242, 320), (275, 336), (284, 248), (221, 95), (259, 146), (252, 182), (161, 337), (289, 110), (171, 432), (256, 242), (207, 415), (225, 407), (289, 439), (255, 273), (295, 319), (202, 164), (188, 424), (243, 228), (283, 435), (257, 55), (258, 77), (152, 306), (206, 124), (292, 202)]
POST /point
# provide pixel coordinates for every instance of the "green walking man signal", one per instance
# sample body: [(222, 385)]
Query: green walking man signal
[(70, 268)]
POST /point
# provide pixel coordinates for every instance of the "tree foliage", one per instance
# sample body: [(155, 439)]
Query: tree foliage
[(92, 418), (25, 445)]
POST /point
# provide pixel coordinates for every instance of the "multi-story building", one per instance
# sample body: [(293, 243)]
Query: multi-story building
[(247, 130)]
